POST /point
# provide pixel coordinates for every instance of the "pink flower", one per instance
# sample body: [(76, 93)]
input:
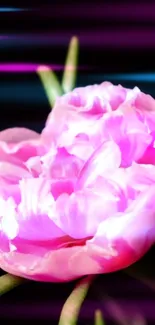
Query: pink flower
[(83, 202), (19, 149), (86, 117)]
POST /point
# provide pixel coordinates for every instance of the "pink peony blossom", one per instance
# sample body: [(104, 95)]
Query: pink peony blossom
[(79, 199)]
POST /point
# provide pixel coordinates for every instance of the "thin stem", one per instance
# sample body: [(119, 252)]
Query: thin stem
[(50, 83), (9, 282), (99, 318), (71, 308), (70, 71)]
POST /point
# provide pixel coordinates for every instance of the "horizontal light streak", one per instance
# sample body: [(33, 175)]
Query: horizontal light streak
[(115, 38), (25, 67), (11, 9), (139, 77), (118, 11)]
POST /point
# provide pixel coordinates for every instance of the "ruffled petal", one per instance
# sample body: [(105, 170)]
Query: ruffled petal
[(105, 160), (60, 265), (130, 232), (140, 177), (36, 201), (8, 222), (16, 135), (21, 143), (13, 173), (30, 216), (78, 199), (131, 135), (80, 213), (61, 165)]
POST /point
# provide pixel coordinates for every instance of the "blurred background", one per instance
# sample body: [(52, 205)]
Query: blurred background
[(116, 37), (117, 43)]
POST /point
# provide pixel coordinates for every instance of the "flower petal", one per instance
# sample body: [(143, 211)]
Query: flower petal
[(106, 159), (128, 235), (61, 265), (80, 213), (16, 135), (31, 214), (21, 143), (61, 165)]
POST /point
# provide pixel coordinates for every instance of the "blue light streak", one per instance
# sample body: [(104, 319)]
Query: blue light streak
[(11, 9)]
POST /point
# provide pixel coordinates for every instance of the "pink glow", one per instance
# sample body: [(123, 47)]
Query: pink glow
[(25, 67), (29, 67)]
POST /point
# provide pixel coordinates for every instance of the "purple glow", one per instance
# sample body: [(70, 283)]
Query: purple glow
[(25, 67), (3, 37), (44, 310), (29, 67), (117, 11), (112, 38)]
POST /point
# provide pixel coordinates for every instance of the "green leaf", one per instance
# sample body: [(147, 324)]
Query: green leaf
[(50, 83), (70, 71), (71, 308), (9, 282)]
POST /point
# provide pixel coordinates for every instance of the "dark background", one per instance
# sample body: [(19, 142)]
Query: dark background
[(117, 43), (115, 37)]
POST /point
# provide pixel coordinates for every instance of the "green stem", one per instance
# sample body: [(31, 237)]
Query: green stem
[(9, 282), (99, 318), (70, 71), (50, 83), (71, 308)]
